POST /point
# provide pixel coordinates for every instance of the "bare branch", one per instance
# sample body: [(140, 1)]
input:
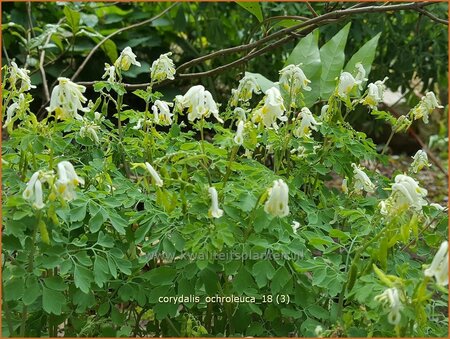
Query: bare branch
[(331, 15), (314, 13), (283, 36), (432, 16)]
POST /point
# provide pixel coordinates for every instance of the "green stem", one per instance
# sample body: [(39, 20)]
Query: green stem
[(29, 270), (230, 162), (172, 326), (387, 143), (7, 315), (202, 148)]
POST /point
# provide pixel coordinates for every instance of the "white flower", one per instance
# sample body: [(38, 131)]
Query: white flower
[(318, 331), (154, 174), (295, 226), (361, 75), (19, 106), (163, 68), (361, 180), (344, 186), (438, 207), (239, 138), (214, 211), (240, 112), (33, 191), (420, 161), (426, 106), (200, 104), (89, 130), (161, 112), (307, 123), (67, 99), (406, 192), (346, 84), (292, 80), (439, 265), (110, 72), (277, 203), (247, 86), (126, 59), (16, 75), (375, 93), (67, 180), (139, 124), (383, 207), (402, 124), (323, 112), (391, 299), (271, 110)]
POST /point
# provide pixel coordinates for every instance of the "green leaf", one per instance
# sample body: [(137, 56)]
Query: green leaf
[(33, 289), (52, 301), (14, 289), (55, 283), (332, 57), (126, 292), (252, 7), (96, 222), (101, 271), (118, 222), (262, 272), (307, 53), (83, 278), (112, 266), (73, 19), (365, 55), (160, 276), (262, 81), (141, 232), (105, 240), (280, 279), (242, 281), (78, 213)]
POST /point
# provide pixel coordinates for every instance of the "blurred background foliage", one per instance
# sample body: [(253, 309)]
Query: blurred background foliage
[(410, 42)]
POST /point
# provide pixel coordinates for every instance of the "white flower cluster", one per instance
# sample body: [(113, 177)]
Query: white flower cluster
[(439, 265), (247, 86), (293, 80), (163, 68), (64, 186), (425, 107), (200, 104), (390, 298), (67, 99), (406, 194), (361, 182), (278, 202), (271, 109)]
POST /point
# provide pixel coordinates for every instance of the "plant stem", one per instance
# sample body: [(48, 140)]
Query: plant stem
[(387, 143), (7, 315), (202, 147), (30, 270), (230, 162)]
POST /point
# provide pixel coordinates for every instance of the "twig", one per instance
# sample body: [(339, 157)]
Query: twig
[(8, 61), (30, 19), (138, 24), (331, 15), (432, 17), (42, 68), (314, 13), (420, 141)]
